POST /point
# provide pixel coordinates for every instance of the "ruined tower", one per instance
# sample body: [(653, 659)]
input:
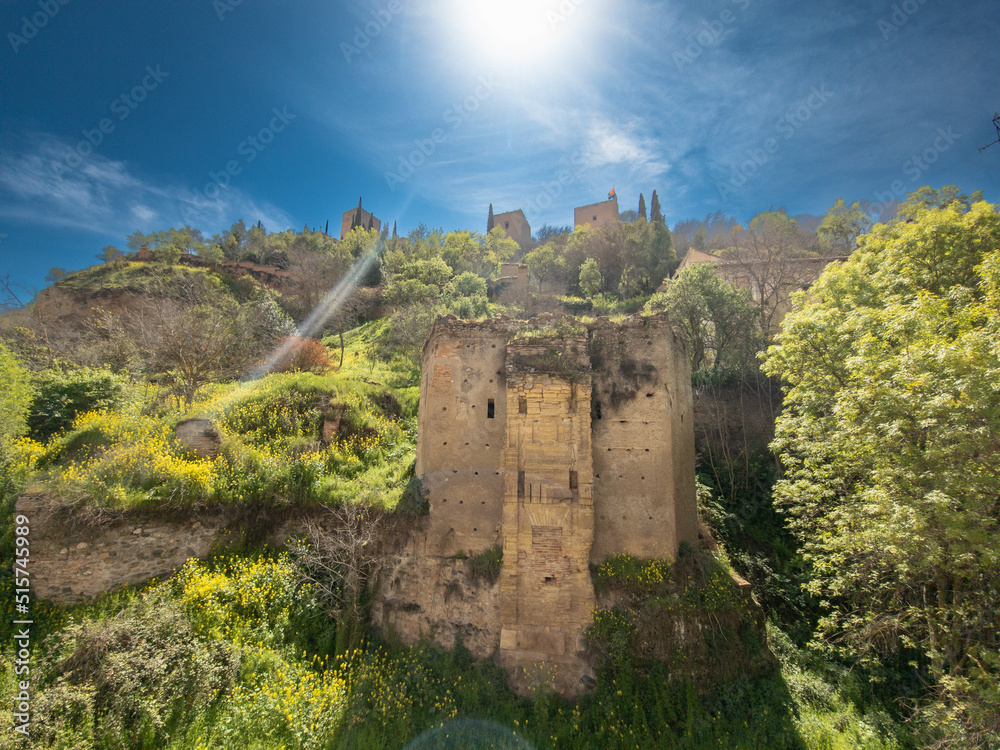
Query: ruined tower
[(562, 443)]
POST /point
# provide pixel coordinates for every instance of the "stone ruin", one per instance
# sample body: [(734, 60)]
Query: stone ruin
[(562, 443)]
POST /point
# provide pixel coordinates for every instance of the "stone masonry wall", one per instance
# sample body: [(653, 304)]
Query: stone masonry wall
[(460, 429), (72, 563), (589, 452), (643, 440), (546, 595)]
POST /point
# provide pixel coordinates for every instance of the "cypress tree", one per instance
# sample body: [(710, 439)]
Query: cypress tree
[(655, 215), (642, 206), (394, 235), (489, 220)]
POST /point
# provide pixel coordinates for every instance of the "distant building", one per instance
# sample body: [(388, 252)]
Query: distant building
[(771, 281), (516, 226), (603, 214), (512, 285), (363, 219)]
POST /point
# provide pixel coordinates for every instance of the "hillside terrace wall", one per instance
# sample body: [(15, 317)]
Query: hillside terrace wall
[(76, 555), (72, 562)]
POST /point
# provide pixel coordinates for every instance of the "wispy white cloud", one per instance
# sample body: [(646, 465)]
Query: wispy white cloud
[(102, 196)]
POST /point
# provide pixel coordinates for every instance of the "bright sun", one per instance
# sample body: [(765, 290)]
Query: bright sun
[(508, 32)]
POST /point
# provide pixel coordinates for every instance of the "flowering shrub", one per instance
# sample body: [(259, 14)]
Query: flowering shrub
[(272, 450), (632, 574), (241, 600)]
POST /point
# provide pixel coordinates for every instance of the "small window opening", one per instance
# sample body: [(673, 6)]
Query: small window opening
[(597, 409), (549, 579), (490, 409), (522, 405), (520, 484), (574, 481)]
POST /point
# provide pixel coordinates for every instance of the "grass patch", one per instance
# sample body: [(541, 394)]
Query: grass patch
[(285, 439), (485, 567)]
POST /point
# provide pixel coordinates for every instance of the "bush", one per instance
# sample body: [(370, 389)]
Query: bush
[(15, 396), (632, 574), (300, 354), (60, 397), (134, 679)]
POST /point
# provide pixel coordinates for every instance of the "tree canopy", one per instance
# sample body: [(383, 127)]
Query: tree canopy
[(889, 442)]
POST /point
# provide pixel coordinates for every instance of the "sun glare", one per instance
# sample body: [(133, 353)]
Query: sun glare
[(510, 32)]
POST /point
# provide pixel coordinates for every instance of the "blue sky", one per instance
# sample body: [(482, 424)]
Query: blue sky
[(119, 116)]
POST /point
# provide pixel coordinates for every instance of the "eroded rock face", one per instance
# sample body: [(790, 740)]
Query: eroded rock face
[(437, 598), (200, 437)]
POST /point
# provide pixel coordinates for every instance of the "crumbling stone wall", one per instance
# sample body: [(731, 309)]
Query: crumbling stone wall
[(72, 561), (586, 450), (546, 595)]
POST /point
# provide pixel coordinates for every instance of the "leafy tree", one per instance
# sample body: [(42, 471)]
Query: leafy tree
[(467, 284), (468, 294), (60, 397), (590, 278), (168, 245), (543, 264), (497, 248), (841, 227), (414, 280), (889, 442), (928, 197), (211, 252), (718, 320), (231, 241), (548, 232), (15, 396), (109, 254), (462, 250), (55, 274)]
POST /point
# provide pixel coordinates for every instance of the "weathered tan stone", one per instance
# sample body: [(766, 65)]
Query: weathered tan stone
[(509, 453)]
